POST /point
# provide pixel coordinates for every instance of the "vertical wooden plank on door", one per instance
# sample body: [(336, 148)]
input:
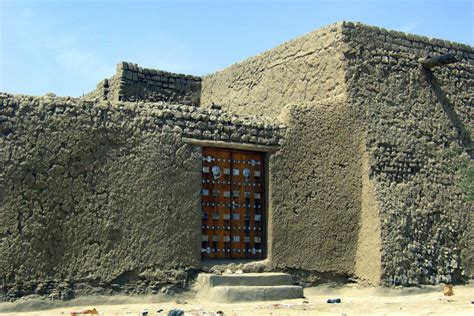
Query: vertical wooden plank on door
[(214, 204), (237, 193), (250, 199), (257, 219)]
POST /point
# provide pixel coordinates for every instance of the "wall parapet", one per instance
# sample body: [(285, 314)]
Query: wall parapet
[(186, 120), (134, 83), (391, 40)]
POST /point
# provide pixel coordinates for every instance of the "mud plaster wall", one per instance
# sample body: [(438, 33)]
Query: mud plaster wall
[(103, 194), (419, 128), (307, 69), (368, 257), (316, 189)]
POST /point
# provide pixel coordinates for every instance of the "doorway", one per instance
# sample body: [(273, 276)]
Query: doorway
[(233, 204)]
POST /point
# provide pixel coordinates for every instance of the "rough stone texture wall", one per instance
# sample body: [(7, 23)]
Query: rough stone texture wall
[(316, 189), (134, 83), (307, 69), (101, 194), (419, 125)]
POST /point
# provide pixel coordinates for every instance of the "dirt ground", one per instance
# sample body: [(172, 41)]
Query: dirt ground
[(355, 300)]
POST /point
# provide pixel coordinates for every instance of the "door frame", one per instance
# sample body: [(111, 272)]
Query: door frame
[(267, 151)]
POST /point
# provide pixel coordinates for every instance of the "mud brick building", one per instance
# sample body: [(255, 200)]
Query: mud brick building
[(334, 156)]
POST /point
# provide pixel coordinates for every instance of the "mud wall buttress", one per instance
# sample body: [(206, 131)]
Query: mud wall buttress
[(316, 190), (368, 256)]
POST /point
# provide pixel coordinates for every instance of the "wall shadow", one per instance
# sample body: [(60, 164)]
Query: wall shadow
[(448, 108)]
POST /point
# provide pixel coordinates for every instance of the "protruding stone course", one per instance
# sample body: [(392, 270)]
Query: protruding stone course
[(134, 83), (187, 121), (382, 42)]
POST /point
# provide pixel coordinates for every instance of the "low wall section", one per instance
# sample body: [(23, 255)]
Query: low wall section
[(104, 195)]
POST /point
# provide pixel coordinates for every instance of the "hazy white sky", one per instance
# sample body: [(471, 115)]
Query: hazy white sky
[(68, 46)]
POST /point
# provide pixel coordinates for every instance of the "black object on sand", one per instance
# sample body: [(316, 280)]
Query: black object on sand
[(334, 300)]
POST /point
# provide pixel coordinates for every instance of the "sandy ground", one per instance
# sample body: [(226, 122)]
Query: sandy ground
[(355, 301)]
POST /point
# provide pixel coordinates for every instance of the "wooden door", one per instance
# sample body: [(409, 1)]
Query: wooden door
[(233, 208)]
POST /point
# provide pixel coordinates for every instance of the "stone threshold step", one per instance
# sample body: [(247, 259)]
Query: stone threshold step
[(255, 293), (245, 279)]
